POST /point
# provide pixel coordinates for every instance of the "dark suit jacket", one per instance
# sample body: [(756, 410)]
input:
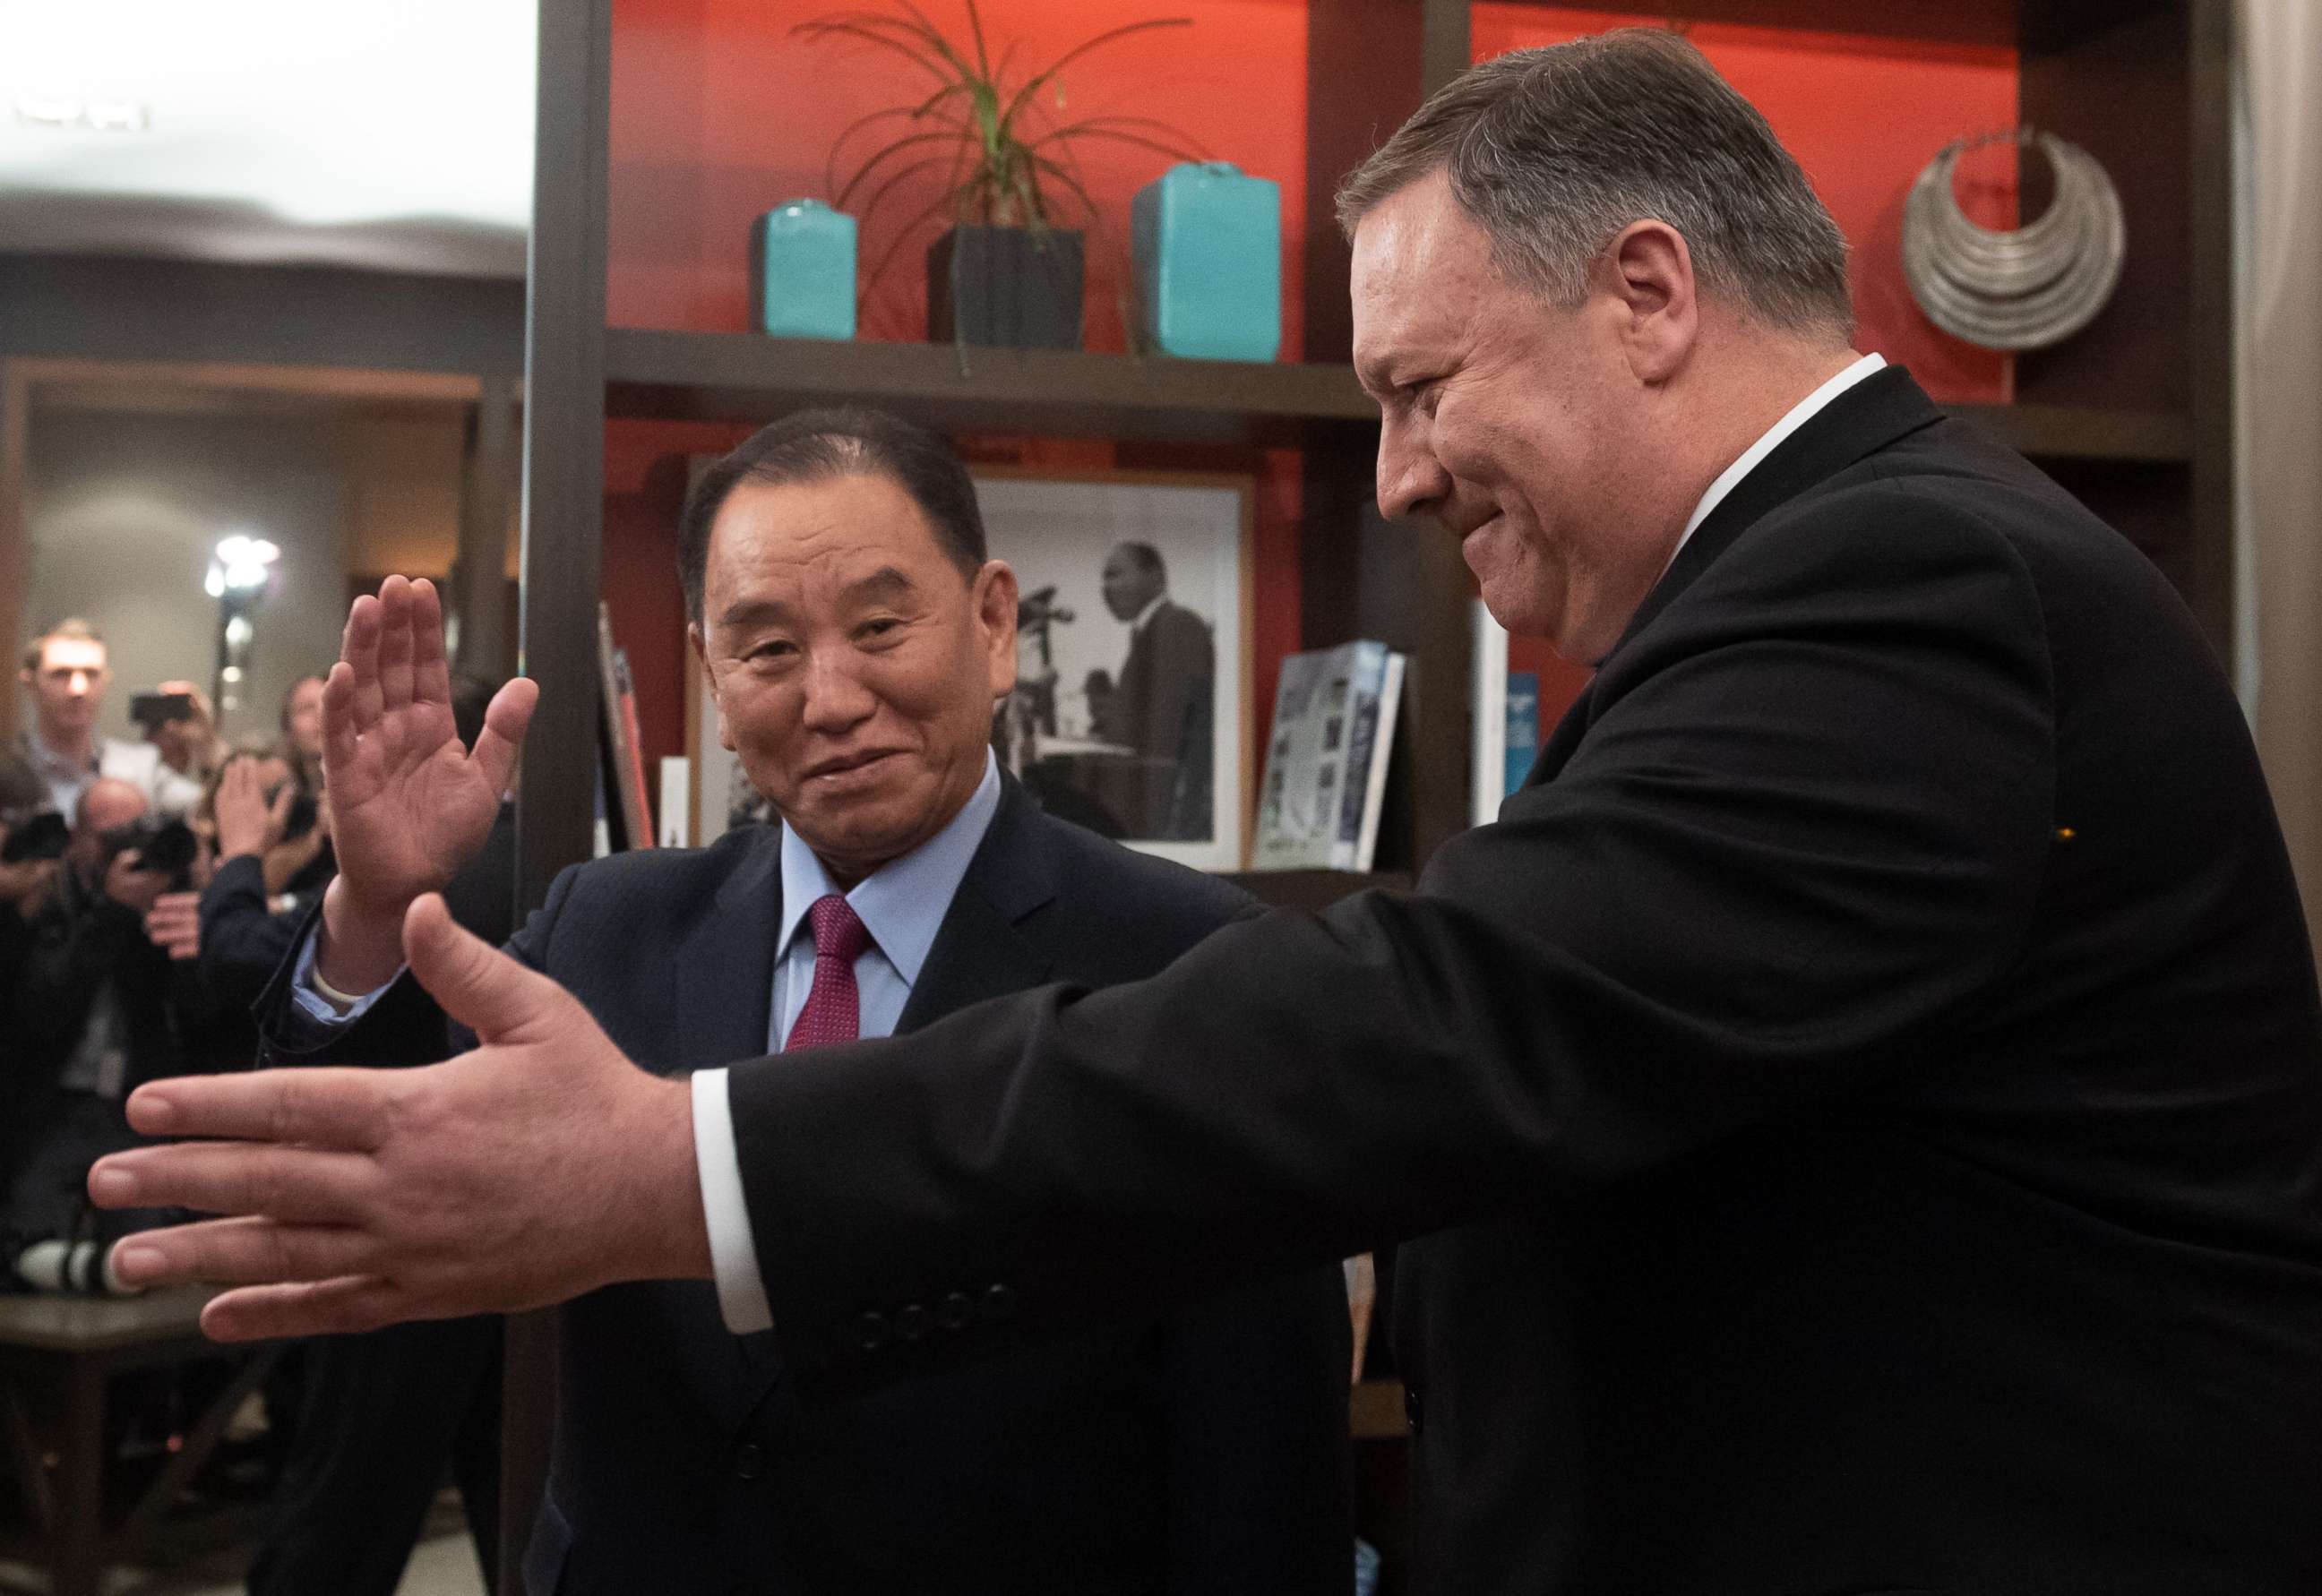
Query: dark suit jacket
[(1195, 1451), (1862, 1102)]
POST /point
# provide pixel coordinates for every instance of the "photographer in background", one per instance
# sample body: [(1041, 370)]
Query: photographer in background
[(273, 862), (66, 672), (91, 1008)]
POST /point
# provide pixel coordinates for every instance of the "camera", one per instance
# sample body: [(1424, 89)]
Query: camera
[(304, 812), (167, 846), (154, 710), (44, 836)]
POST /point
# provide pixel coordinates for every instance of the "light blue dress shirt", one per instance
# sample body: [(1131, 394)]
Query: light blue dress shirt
[(902, 904)]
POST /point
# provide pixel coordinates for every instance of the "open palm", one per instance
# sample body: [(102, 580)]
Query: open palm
[(409, 805)]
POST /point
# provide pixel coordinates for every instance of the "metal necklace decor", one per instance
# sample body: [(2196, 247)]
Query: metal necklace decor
[(2022, 289)]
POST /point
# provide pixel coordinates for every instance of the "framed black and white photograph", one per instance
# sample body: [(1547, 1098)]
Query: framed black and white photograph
[(1132, 653)]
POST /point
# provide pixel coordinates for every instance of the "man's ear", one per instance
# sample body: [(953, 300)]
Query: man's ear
[(1647, 272), (709, 682), (995, 596)]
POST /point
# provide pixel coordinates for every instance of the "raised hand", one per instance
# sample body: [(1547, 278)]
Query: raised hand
[(409, 805), (541, 1165), (246, 823)]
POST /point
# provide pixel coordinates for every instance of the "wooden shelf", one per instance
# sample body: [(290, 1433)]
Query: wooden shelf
[(2069, 432), (744, 377), (1314, 889)]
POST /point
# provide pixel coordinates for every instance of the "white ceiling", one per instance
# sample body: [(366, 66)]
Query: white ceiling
[(393, 134)]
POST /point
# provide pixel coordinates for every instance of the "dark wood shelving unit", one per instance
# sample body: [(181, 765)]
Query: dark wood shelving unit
[(744, 377)]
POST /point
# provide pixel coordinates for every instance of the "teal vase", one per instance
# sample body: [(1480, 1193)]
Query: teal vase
[(1208, 246), (802, 271)]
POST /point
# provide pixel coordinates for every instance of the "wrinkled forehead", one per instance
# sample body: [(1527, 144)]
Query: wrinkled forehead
[(814, 545), (1421, 270)]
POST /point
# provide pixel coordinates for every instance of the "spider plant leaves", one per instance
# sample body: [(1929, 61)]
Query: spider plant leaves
[(1038, 80), (972, 105)]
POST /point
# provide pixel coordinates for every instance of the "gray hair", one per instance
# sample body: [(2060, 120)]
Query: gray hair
[(1554, 151)]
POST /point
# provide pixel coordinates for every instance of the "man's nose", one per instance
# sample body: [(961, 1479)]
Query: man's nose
[(836, 696), (1410, 480)]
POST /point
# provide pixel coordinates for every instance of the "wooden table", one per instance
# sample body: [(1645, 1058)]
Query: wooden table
[(60, 1353)]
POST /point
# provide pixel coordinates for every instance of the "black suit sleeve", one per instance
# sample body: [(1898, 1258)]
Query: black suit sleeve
[(243, 940), (1803, 833), (1255, 1387)]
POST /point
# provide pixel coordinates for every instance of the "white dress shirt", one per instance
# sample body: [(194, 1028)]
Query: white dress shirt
[(137, 763), (1799, 414)]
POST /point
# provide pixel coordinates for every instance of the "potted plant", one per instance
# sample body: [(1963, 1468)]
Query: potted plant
[(1008, 270)]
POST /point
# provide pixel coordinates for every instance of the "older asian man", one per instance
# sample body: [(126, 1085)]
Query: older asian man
[(855, 636)]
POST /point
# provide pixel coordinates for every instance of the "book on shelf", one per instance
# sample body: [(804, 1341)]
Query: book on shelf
[(624, 760), (1326, 759)]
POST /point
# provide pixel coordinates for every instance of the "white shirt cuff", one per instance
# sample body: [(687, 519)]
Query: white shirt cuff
[(733, 1250), (307, 995)]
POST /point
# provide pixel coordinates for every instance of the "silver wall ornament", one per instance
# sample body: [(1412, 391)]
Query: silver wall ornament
[(2023, 288)]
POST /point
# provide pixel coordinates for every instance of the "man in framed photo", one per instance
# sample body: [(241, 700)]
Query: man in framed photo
[(1162, 704)]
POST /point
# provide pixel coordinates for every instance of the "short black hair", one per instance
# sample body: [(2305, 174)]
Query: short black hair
[(820, 445)]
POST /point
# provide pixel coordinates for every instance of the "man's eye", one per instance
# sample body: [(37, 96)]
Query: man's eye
[(879, 627)]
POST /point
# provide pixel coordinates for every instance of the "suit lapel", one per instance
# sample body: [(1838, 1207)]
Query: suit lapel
[(984, 948), (1881, 409), (726, 968)]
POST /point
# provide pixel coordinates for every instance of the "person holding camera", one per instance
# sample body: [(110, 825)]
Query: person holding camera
[(65, 673), (273, 859), (176, 719)]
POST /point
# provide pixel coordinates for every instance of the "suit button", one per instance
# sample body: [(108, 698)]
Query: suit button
[(955, 1311), (911, 1323), (750, 1462), (1410, 1408), (872, 1332), (999, 1302)]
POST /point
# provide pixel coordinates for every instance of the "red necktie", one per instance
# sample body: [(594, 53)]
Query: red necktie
[(832, 1011)]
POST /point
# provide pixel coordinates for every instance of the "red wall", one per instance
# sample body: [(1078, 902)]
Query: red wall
[(719, 113)]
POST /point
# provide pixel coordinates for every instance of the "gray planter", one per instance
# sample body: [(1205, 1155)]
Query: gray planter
[(1005, 288)]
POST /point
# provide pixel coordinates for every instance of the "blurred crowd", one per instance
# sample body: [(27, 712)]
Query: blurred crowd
[(150, 892)]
